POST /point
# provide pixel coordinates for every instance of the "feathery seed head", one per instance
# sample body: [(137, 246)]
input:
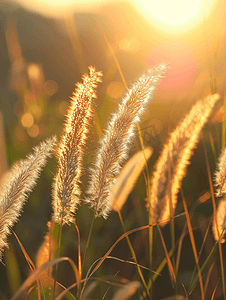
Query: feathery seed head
[(172, 164), (219, 223), (71, 149), (16, 185), (116, 139), (220, 175)]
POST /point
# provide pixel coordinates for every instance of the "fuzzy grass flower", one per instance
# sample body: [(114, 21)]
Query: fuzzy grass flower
[(172, 163), (116, 140), (220, 175), (70, 153), (219, 223), (17, 184)]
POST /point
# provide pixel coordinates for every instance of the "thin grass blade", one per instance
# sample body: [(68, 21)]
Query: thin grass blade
[(170, 266), (193, 284), (193, 245), (38, 271)]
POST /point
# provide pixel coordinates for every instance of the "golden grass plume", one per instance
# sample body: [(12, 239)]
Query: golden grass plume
[(219, 223), (70, 154), (116, 139), (172, 163), (17, 183), (220, 175), (128, 177)]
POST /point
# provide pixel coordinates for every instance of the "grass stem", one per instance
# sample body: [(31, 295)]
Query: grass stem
[(134, 255), (57, 256), (84, 256)]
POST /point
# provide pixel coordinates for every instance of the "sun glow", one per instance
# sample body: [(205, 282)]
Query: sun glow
[(167, 14), (176, 14), (173, 11)]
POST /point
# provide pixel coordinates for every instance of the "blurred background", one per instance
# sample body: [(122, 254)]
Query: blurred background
[(46, 46)]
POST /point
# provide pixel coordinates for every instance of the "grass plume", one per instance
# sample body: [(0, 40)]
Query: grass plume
[(220, 175), (128, 177), (172, 163), (116, 139), (70, 154), (17, 184), (219, 223)]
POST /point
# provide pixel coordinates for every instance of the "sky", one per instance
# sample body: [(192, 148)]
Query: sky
[(167, 14)]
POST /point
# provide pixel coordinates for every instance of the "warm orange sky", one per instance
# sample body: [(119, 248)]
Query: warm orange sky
[(167, 14), (191, 47)]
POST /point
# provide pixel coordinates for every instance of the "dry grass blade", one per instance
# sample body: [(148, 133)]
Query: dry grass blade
[(30, 263), (129, 262), (128, 177), (66, 189), (16, 185), (38, 271), (102, 259), (193, 245), (200, 200), (27, 257), (59, 297), (46, 253), (175, 158), (127, 290), (170, 266), (115, 142), (214, 292)]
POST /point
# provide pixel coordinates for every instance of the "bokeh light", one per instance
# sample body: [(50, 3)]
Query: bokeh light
[(34, 71), (50, 87), (33, 131), (115, 89), (27, 120)]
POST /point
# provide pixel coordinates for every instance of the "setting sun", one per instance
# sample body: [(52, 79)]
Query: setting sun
[(176, 14), (173, 11)]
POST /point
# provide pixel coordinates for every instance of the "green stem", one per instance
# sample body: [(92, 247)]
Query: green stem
[(84, 256), (57, 256), (149, 200), (134, 255)]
